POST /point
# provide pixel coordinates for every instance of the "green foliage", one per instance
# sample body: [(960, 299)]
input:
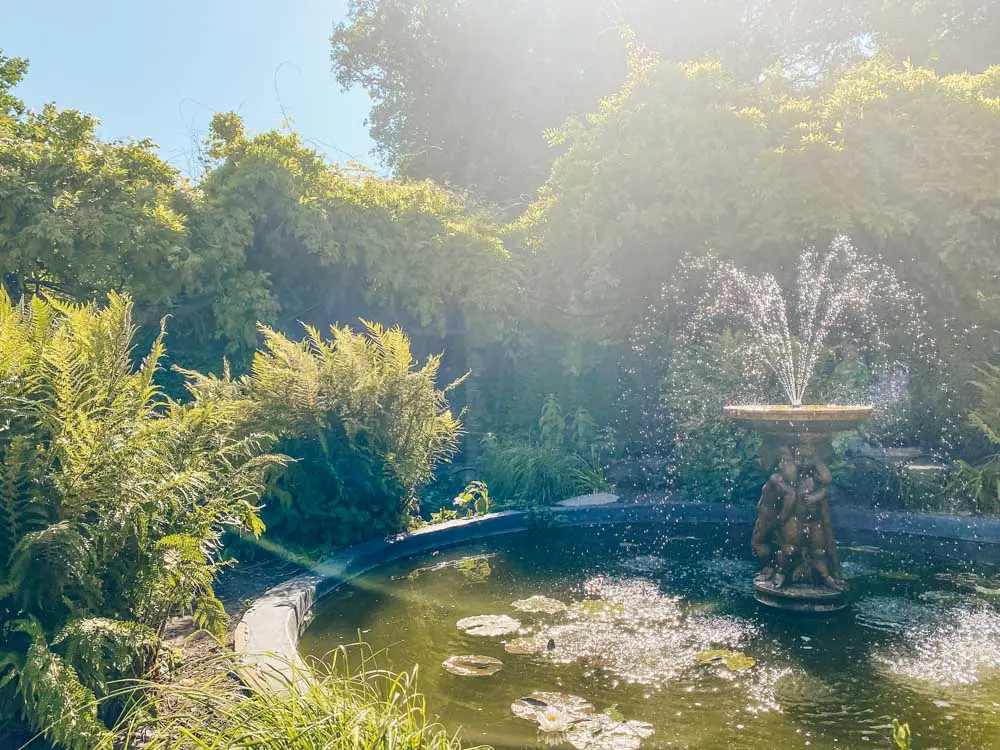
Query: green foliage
[(551, 425), (980, 481), (688, 157), (113, 501), (272, 233), (281, 236), (474, 500), (447, 78), (544, 471), (330, 704), (365, 423), (711, 458), (79, 216)]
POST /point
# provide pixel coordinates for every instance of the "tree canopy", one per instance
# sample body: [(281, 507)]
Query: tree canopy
[(688, 157), (463, 89), (271, 234), (80, 216), (281, 236)]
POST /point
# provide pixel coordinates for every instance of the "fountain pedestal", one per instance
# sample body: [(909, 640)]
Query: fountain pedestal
[(793, 535)]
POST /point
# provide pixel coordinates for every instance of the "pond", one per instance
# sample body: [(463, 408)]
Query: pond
[(657, 633)]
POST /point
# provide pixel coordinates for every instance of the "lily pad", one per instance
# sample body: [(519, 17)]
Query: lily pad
[(539, 603), (530, 644), (489, 625), (573, 707), (735, 661), (603, 732), (472, 666), (473, 567), (987, 593)]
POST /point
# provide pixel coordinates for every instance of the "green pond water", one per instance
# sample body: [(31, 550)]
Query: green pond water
[(921, 642)]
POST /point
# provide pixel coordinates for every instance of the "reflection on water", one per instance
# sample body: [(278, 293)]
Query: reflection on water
[(625, 619)]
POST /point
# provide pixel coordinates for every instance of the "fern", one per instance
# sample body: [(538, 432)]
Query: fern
[(539, 473), (365, 421), (113, 502), (59, 704)]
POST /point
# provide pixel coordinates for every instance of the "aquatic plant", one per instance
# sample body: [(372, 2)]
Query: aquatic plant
[(539, 603), (488, 625), (576, 722), (472, 665), (735, 661), (901, 735)]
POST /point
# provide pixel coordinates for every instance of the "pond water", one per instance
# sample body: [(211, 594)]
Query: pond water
[(661, 638)]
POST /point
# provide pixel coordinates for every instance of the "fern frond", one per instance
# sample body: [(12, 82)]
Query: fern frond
[(101, 649), (57, 704)]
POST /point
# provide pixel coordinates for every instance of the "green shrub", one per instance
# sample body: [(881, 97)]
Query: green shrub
[(365, 426), (979, 481), (112, 504), (561, 463), (712, 458), (325, 704)]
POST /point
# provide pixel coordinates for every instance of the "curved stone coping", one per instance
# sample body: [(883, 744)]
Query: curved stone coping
[(268, 633)]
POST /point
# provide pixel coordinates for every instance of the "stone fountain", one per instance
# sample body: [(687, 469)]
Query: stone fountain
[(793, 537)]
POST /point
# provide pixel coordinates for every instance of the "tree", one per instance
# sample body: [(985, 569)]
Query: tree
[(280, 236), (463, 90), (80, 216), (687, 157)]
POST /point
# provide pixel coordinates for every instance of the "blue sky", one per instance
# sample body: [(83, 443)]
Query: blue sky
[(159, 69)]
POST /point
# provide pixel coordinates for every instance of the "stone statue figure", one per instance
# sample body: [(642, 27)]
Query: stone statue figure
[(775, 507), (793, 535)]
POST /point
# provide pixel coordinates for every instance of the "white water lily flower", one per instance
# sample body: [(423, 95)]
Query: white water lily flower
[(551, 719)]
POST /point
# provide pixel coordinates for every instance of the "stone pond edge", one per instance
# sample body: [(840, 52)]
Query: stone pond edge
[(267, 635)]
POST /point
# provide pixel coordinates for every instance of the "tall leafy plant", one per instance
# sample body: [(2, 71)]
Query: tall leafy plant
[(113, 500), (366, 424), (562, 461), (980, 481)]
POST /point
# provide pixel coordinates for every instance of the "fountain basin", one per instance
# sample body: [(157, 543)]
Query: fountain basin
[(677, 590), (809, 418)]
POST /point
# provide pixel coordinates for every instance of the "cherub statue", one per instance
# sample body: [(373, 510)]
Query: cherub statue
[(776, 505), (820, 558)]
